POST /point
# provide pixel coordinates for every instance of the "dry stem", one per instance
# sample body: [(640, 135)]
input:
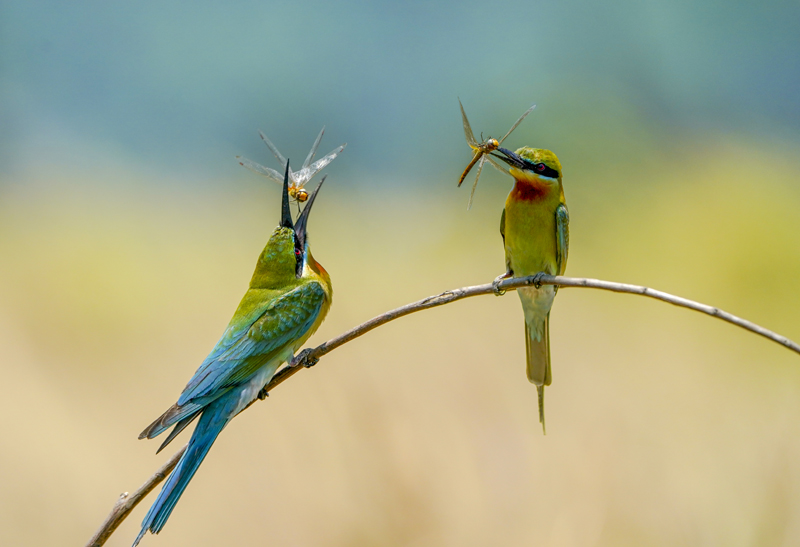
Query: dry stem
[(126, 503)]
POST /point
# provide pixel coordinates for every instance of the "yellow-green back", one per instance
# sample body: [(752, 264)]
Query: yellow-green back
[(275, 268)]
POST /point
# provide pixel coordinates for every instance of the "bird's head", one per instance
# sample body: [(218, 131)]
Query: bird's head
[(537, 172), (287, 252), (531, 163)]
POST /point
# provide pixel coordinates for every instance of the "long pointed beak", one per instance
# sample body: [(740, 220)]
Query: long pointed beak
[(286, 214), (510, 158), (302, 221)]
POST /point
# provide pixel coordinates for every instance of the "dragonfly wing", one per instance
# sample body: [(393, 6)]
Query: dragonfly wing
[(467, 129), (314, 147), (475, 184), (260, 169), (499, 166), (305, 174), (320, 164), (274, 150), (519, 121)]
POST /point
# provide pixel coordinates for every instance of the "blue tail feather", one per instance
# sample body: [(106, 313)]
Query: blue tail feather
[(180, 426), (214, 418)]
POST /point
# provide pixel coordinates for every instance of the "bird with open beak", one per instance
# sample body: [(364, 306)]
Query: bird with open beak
[(289, 295)]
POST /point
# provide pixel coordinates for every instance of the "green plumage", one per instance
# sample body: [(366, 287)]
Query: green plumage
[(535, 230), (289, 296)]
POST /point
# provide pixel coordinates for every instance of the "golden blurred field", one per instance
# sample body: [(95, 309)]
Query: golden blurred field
[(665, 427)]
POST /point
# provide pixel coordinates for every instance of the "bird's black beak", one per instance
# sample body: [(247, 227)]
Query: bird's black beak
[(286, 214), (302, 221), (510, 158)]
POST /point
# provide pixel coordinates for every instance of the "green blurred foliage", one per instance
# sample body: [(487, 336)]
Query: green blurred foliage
[(128, 234)]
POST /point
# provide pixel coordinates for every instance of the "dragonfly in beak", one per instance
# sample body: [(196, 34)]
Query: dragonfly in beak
[(481, 150)]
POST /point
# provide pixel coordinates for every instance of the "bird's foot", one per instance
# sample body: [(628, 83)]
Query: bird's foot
[(263, 394), (496, 283), (537, 280), (305, 360)]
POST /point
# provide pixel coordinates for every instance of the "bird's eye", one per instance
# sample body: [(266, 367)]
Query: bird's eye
[(540, 166), (298, 252)]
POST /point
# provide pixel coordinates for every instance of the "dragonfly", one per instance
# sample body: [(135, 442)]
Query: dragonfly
[(481, 150), (297, 179)]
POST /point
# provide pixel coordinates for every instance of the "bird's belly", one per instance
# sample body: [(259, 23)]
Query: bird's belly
[(530, 245), (536, 304), (249, 390), (530, 239), (530, 252)]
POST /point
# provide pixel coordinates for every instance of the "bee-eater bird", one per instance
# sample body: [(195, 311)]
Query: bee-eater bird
[(289, 295), (535, 231)]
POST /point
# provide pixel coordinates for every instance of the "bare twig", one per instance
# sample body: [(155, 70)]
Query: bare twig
[(514, 283), (126, 503), (672, 299)]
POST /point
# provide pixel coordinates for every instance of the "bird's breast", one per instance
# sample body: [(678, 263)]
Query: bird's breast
[(529, 188), (530, 233)]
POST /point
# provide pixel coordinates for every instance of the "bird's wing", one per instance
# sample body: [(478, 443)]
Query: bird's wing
[(562, 238), (254, 339), (509, 270)]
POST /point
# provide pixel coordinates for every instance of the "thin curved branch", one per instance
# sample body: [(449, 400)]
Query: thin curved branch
[(126, 502), (309, 357), (672, 299)]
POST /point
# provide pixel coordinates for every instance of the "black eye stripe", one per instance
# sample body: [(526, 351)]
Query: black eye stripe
[(541, 169)]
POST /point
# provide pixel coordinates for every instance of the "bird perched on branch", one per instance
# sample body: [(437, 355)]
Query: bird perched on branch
[(289, 295), (535, 231)]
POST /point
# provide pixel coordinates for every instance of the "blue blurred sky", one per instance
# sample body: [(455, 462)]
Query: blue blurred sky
[(180, 88)]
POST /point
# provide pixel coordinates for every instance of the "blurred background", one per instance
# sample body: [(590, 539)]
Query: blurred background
[(128, 233)]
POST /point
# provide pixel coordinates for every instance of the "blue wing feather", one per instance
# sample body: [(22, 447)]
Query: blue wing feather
[(274, 325), (244, 348)]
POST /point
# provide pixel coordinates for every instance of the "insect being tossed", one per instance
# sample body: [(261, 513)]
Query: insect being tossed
[(297, 179), (481, 150)]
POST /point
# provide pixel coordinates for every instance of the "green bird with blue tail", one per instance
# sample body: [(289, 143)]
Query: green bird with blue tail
[(289, 295), (535, 231)]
